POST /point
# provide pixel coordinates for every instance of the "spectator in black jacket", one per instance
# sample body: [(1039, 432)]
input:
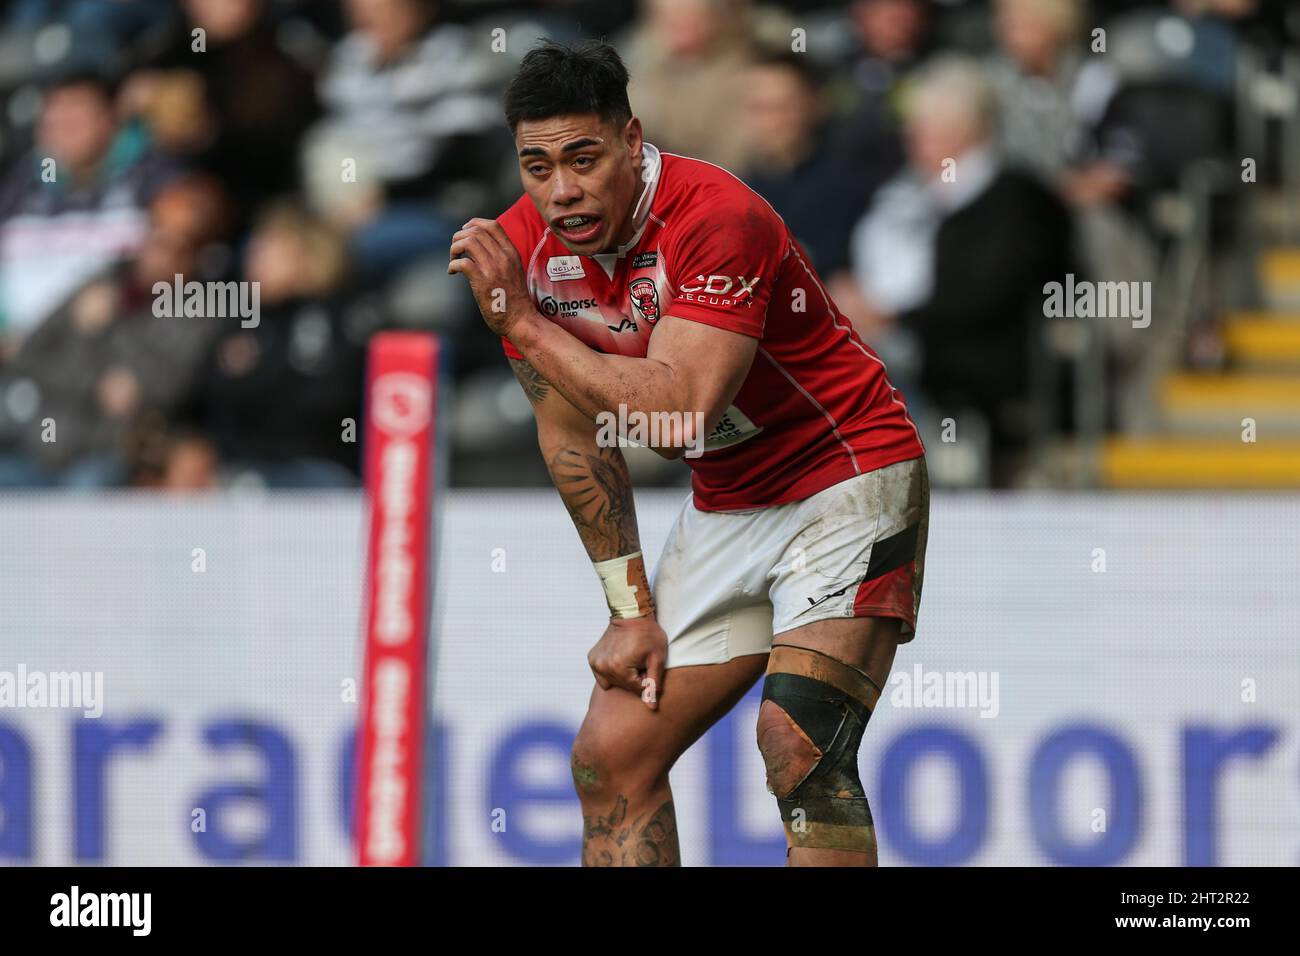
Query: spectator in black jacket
[(275, 397), (894, 38), (817, 192), (954, 255)]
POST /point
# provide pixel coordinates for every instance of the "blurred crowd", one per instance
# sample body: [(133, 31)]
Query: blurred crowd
[(939, 161)]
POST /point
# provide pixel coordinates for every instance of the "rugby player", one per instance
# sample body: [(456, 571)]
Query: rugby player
[(631, 279)]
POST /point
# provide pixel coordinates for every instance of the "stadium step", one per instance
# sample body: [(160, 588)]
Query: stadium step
[(1279, 277), (1263, 339), (1203, 417), (1191, 401), (1190, 463)]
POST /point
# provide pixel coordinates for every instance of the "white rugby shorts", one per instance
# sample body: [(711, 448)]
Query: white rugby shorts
[(728, 582)]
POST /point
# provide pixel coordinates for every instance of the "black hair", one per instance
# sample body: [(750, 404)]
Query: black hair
[(556, 79), (798, 63)]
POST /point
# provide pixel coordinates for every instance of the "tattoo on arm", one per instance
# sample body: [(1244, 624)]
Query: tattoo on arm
[(535, 387), (592, 481), (597, 490)]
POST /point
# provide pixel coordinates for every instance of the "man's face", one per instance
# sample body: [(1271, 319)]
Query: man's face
[(76, 125), (938, 129), (890, 29), (390, 24), (687, 28), (1029, 37), (224, 20), (780, 112), (583, 175), (176, 230)]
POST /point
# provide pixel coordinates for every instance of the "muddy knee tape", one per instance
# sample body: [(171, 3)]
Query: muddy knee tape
[(828, 808)]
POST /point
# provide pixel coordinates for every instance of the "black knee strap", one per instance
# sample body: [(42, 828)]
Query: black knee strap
[(831, 792)]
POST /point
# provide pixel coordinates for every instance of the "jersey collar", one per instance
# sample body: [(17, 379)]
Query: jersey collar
[(651, 166)]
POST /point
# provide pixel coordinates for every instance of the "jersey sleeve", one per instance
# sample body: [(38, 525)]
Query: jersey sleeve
[(515, 221), (509, 348), (724, 261)]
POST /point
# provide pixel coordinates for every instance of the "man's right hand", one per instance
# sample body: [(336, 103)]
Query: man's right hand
[(631, 651)]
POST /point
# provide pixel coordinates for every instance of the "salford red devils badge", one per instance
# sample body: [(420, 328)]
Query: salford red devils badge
[(645, 299)]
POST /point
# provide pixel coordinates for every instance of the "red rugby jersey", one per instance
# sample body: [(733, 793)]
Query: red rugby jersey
[(817, 406)]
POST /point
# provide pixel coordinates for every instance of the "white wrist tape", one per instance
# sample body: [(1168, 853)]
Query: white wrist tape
[(626, 589)]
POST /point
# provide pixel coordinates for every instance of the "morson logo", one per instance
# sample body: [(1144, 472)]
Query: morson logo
[(401, 404), (552, 306)]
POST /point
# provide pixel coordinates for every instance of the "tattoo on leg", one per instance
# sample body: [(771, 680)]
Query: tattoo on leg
[(644, 841), (599, 832), (656, 844), (585, 778)]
